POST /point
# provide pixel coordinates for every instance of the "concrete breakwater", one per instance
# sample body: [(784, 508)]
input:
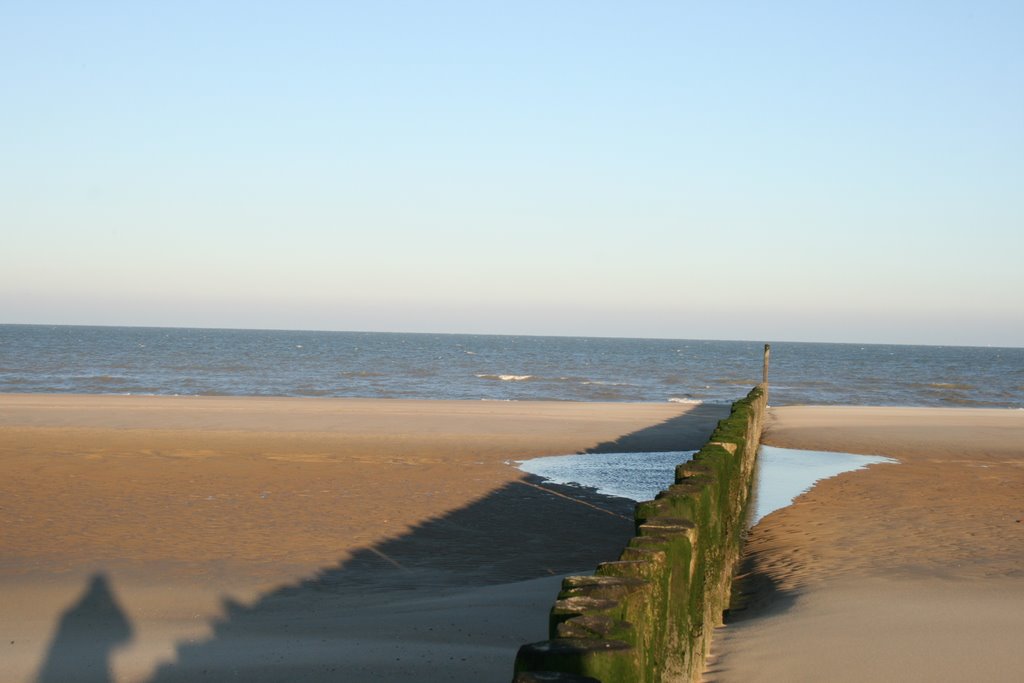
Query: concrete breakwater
[(649, 615)]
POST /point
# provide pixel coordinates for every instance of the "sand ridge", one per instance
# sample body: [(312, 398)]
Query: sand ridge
[(926, 555), (949, 508)]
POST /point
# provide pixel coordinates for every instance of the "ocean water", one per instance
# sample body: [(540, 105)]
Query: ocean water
[(177, 361), (782, 474)]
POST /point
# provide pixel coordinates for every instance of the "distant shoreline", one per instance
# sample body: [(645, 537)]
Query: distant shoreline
[(433, 333)]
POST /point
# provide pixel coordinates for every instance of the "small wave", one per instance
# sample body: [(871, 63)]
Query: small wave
[(115, 387), (944, 386), (607, 395), (312, 391), (225, 368), (605, 384), (687, 401), (99, 379), (733, 381), (507, 378)]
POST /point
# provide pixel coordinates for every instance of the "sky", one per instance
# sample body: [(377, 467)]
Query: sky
[(803, 171)]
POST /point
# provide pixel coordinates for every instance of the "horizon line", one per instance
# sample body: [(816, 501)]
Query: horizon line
[(505, 334)]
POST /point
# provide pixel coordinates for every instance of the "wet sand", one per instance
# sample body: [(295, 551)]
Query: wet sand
[(167, 539), (899, 572)]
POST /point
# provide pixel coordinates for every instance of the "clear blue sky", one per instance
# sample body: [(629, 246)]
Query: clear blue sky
[(756, 170)]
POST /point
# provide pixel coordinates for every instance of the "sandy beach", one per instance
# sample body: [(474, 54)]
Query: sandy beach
[(900, 572), (182, 538)]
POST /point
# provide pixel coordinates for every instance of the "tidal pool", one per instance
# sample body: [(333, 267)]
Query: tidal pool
[(782, 474), (628, 475)]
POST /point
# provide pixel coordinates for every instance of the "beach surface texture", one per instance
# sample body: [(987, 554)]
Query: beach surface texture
[(899, 572), (206, 538)]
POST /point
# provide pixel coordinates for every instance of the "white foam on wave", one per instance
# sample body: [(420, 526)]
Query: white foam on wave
[(507, 378), (687, 401)]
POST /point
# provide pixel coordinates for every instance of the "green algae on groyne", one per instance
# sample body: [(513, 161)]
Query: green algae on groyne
[(649, 615)]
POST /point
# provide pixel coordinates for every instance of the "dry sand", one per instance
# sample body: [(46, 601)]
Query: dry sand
[(173, 539), (900, 572)]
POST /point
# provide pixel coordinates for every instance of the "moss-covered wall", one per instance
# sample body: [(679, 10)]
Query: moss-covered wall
[(648, 616)]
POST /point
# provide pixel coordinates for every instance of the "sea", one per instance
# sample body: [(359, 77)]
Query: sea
[(215, 362)]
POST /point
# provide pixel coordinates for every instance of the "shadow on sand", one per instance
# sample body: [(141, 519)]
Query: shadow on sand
[(755, 594), (436, 599), (687, 432), (87, 634)]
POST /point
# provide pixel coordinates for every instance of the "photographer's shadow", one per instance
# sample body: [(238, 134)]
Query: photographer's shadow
[(87, 634)]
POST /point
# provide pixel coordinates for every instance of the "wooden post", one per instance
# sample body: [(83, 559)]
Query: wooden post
[(767, 356)]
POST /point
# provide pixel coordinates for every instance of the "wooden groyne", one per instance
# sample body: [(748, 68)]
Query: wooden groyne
[(648, 616)]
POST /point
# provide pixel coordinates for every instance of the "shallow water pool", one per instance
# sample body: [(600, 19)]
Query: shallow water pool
[(782, 474)]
